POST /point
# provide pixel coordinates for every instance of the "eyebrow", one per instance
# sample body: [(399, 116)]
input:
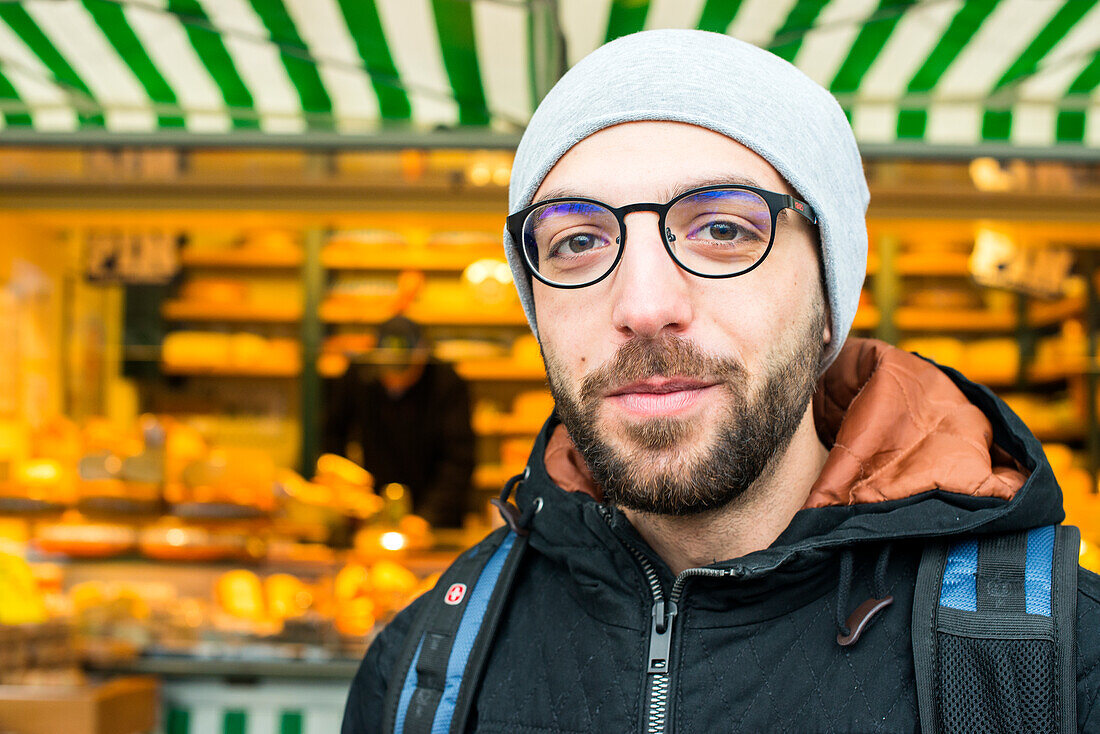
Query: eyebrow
[(669, 193)]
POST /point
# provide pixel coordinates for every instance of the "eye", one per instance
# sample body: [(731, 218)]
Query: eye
[(576, 244), (721, 230)]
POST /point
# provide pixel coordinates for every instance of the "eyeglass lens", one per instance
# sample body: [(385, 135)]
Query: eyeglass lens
[(720, 232)]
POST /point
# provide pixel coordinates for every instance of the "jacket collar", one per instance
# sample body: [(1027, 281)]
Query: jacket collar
[(917, 451)]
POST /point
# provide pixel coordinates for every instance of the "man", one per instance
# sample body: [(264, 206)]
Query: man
[(410, 416), (726, 476)]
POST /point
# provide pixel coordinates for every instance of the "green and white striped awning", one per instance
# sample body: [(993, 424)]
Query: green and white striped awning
[(973, 74)]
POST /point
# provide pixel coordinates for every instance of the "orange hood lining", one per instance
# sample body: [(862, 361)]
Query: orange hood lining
[(896, 426)]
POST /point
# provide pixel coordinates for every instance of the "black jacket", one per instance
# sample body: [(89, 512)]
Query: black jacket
[(755, 651)]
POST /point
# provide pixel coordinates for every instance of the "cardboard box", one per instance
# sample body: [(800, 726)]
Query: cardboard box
[(119, 706)]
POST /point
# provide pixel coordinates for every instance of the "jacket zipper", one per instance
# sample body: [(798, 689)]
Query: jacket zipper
[(658, 697)]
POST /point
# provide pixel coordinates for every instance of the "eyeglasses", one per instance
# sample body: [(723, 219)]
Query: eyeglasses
[(711, 232)]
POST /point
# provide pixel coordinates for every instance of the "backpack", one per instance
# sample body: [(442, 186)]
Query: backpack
[(994, 634)]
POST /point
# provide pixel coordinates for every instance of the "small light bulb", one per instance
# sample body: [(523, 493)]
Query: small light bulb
[(42, 471), (480, 174), (503, 273), (393, 541)]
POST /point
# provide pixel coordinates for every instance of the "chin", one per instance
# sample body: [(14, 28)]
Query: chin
[(661, 450), (660, 437)]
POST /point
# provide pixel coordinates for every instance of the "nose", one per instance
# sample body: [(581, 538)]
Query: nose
[(651, 293)]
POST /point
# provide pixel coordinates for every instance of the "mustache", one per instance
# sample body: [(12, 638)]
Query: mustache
[(666, 355)]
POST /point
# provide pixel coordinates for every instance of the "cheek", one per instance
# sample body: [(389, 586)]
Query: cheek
[(559, 334), (749, 317), (572, 331)]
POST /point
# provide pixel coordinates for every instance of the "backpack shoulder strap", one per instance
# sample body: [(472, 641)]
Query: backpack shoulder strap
[(434, 680), (994, 633)]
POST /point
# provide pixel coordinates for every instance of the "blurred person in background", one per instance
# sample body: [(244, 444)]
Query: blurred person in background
[(405, 417)]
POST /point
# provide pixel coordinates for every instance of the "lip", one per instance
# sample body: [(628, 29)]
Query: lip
[(660, 396), (659, 386)]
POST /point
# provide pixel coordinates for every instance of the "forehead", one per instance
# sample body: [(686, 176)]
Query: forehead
[(653, 161)]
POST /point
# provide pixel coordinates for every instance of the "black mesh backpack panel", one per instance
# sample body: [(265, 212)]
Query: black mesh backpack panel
[(993, 634), (992, 666)]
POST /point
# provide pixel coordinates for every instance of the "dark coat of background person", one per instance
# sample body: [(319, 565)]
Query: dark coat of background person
[(421, 438), (753, 652)]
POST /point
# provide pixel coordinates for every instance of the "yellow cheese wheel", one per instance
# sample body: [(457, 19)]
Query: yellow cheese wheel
[(944, 350), (240, 594), (215, 290), (195, 349), (387, 577), (332, 466), (270, 239), (355, 617), (247, 350), (351, 581), (287, 597), (992, 359)]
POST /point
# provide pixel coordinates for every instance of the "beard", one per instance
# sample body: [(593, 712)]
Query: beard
[(667, 465)]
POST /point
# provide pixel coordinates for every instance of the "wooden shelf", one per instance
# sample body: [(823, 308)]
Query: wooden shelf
[(909, 318), (241, 258), (490, 316), (292, 370), (1061, 434), (1044, 313), (438, 259), (190, 667), (942, 264), (1003, 381), (937, 264), (500, 370), (473, 370), (989, 380), (200, 311), (339, 314), (1055, 373)]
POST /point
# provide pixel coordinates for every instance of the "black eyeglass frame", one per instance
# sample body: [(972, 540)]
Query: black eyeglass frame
[(776, 203)]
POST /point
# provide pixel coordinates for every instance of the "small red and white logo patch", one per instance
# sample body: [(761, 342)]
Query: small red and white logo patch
[(799, 206), (455, 594)]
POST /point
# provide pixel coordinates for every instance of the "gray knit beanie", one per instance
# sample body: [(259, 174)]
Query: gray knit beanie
[(733, 88)]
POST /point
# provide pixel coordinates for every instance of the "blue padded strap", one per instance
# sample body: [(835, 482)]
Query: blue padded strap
[(407, 690), (1038, 570), (959, 588), (468, 629)]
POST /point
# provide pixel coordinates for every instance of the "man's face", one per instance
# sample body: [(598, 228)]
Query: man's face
[(678, 390)]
